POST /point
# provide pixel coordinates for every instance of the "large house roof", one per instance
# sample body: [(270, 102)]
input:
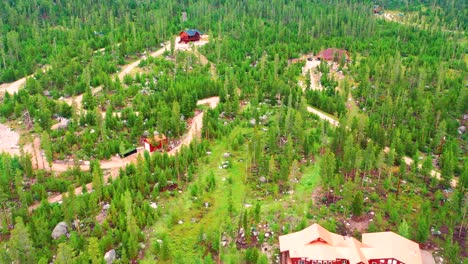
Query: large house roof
[(390, 245), (322, 244), (317, 243)]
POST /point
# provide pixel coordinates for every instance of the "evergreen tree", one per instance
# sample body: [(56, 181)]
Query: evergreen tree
[(94, 252), (357, 206), (65, 254), (20, 245), (403, 229)]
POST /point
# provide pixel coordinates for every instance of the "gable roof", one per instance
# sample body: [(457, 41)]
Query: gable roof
[(322, 244), (192, 32), (390, 245), (329, 54), (315, 242)]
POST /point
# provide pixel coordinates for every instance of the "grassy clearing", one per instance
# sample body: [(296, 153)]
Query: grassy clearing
[(202, 227), (198, 219)]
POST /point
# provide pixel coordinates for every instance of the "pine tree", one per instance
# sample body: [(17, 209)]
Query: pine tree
[(357, 206), (403, 229), (327, 166), (20, 246), (98, 183), (65, 254), (47, 146), (94, 252)]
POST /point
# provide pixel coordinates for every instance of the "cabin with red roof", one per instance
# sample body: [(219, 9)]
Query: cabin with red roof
[(332, 54), (189, 35), (316, 245)]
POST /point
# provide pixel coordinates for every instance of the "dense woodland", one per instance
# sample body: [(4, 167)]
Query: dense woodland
[(286, 168)]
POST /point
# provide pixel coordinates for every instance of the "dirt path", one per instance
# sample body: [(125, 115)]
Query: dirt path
[(423, 25), (14, 87), (9, 140), (115, 163), (79, 98), (407, 160), (322, 116), (311, 69), (205, 61), (433, 173), (197, 124)]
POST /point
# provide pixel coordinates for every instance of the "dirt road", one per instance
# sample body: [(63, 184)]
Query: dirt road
[(14, 87), (115, 163), (322, 116), (433, 173), (9, 140), (310, 68), (205, 61), (79, 98), (197, 124), (407, 160)]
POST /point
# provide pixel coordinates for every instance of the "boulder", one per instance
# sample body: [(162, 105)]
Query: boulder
[(110, 256), (60, 229)]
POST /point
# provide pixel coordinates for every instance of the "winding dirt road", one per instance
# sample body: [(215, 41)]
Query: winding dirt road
[(407, 160), (115, 164), (129, 67), (15, 86)]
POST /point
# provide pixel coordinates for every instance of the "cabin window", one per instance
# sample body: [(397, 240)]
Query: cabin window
[(343, 262), (301, 262)]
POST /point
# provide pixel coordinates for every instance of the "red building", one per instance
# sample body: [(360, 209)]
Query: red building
[(189, 35), (316, 245), (158, 142), (332, 54)]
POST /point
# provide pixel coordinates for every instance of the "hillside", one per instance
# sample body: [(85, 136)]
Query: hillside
[(279, 114)]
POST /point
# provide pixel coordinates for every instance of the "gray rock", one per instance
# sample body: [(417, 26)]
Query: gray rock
[(60, 230), (110, 256), (262, 179)]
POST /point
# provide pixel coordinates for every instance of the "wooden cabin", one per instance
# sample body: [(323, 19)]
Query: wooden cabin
[(189, 35), (158, 142)]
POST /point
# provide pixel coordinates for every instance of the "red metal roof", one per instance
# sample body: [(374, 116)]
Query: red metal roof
[(332, 53)]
